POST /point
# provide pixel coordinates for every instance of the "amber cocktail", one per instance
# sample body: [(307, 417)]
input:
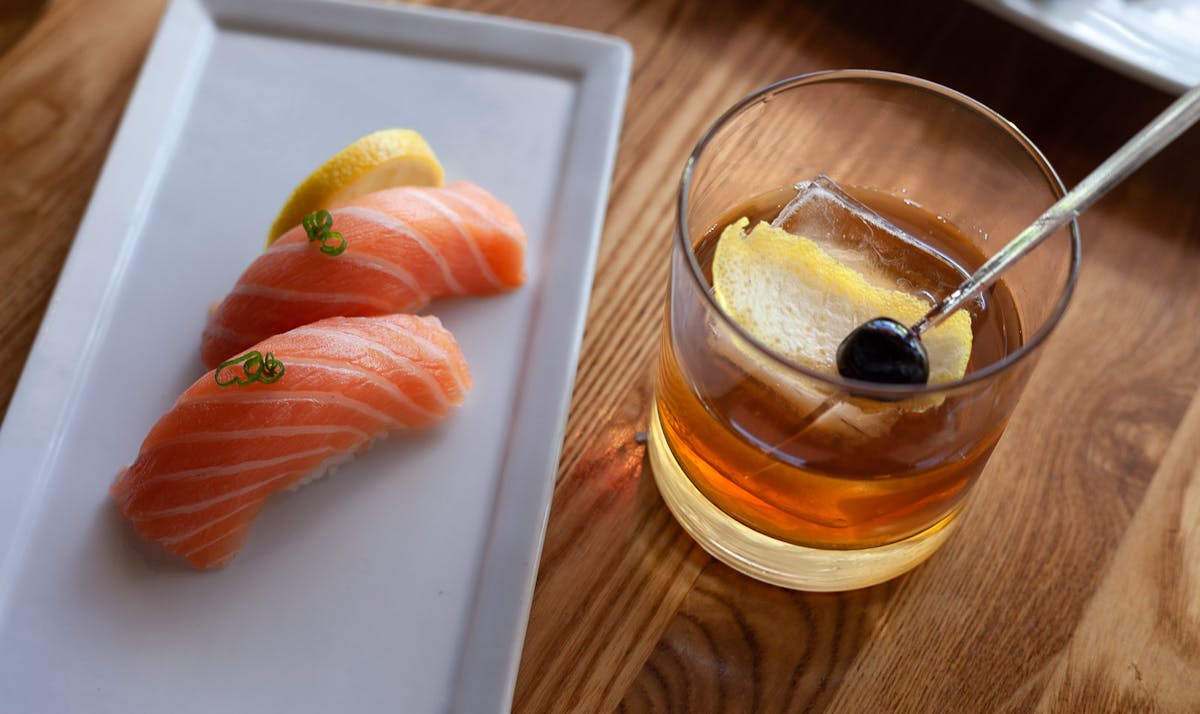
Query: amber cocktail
[(776, 465)]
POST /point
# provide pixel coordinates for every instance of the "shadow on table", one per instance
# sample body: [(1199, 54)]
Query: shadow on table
[(16, 17)]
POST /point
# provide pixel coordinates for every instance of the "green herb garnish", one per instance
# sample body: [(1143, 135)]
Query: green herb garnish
[(255, 368), (318, 225)]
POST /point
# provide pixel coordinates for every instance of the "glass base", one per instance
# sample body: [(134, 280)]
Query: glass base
[(774, 561)]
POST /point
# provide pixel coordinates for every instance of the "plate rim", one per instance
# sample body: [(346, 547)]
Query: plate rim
[(56, 369), (1027, 16)]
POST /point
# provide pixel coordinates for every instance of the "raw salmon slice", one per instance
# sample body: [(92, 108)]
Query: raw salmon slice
[(404, 247), (210, 463)]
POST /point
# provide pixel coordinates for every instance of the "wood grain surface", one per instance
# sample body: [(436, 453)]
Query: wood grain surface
[(1073, 584)]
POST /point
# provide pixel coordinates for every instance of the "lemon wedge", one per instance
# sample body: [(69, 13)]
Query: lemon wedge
[(392, 157), (795, 298)]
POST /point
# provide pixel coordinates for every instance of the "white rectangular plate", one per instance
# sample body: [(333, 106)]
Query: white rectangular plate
[(1155, 41), (403, 582)]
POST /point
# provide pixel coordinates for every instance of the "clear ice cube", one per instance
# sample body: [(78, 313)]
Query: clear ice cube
[(863, 240)]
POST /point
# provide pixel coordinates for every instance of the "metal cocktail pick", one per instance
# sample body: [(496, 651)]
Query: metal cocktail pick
[(883, 350)]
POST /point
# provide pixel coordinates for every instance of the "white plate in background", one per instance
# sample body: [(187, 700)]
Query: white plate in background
[(402, 583), (1154, 41)]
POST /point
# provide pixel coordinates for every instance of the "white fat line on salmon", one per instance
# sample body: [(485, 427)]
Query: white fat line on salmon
[(235, 533), (285, 295), (172, 540), (386, 385), (201, 473), (398, 226), (143, 516), (223, 560), (228, 334), (304, 476), (418, 371), (255, 433), (429, 352), (273, 395), (472, 244), (367, 261), (439, 352), (264, 483), (482, 213)]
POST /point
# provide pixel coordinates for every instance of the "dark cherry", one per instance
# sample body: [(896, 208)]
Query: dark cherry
[(883, 350)]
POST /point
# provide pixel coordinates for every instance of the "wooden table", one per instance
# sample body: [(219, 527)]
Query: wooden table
[(1074, 582)]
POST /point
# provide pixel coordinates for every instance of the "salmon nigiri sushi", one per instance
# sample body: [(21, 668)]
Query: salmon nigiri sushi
[(283, 414), (402, 248)]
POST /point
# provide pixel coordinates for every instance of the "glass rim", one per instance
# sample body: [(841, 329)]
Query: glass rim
[(854, 386)]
